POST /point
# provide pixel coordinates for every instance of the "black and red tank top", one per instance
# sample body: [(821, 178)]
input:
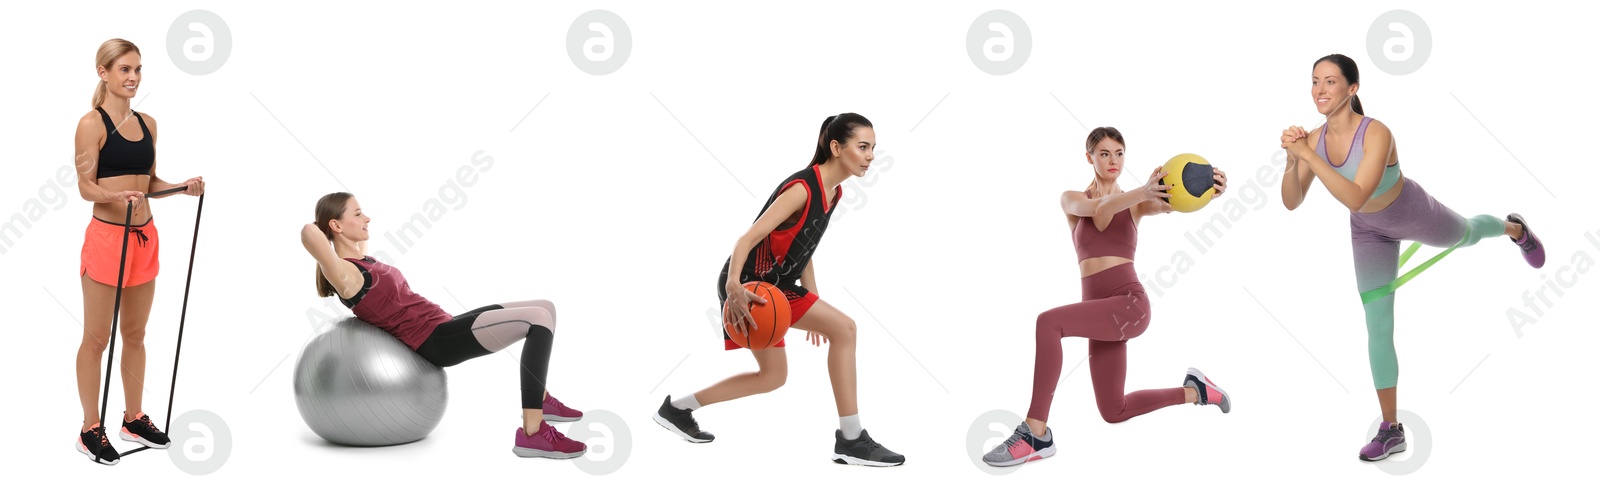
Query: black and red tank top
[(783, 255)]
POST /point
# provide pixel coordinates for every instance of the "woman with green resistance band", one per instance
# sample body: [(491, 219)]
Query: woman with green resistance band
[(1385, 208)]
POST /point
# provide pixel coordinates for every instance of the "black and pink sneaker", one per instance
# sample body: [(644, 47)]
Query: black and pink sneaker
[(94, 444), (144, 432), (1207, 390), (1532, 249), (556, 412)]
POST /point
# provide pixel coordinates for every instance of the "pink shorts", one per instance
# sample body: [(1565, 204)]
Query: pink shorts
[(102, 244)]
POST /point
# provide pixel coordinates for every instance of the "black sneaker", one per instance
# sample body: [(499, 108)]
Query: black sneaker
[(144, 432), (681, 421), (863, 451), (94, 444)]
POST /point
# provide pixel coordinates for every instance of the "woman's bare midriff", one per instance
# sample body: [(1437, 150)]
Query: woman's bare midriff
[(116, 212), (1094, 265)]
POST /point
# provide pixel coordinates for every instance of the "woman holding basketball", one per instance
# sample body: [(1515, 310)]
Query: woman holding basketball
[(115, 151), (378, 294), (777, 249), (1104, 220), (1385, 208)]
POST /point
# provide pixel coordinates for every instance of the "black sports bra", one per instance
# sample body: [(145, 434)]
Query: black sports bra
[(119, 157)]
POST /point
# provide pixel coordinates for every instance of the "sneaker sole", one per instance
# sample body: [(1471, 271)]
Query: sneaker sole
[(1386, 454), (1227, 401), (126, 436), (674, 429), (561, 419), (554, 455), (843, 459), (92, 458), (1036, 456)]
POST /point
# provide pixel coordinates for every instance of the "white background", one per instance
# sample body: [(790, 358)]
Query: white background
[(619, 196)]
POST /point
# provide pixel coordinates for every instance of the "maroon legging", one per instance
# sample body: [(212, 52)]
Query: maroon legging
[(1114, 310)]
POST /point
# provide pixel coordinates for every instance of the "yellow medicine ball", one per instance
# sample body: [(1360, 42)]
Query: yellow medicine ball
[(1191, 184)]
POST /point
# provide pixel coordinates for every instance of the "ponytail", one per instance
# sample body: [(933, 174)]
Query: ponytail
[(108, 53), (330, 207)]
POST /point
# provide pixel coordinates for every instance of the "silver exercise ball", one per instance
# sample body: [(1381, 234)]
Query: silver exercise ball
[(358, 385)]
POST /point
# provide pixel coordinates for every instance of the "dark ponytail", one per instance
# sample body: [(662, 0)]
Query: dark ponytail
[(836, 128), (329, 207), (1347, 68)]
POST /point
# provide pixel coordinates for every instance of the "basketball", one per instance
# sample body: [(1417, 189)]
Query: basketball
[(771, 318), (1190, 180)]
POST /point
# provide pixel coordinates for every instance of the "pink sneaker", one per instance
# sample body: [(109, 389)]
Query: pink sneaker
[(547, 443), (1208, 390), (556, 412)]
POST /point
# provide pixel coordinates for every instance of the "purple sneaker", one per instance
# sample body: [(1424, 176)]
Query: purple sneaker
[(1391, 439), (547, 443), (556, 412), (1532, 249)]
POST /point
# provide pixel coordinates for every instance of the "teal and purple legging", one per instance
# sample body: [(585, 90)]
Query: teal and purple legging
[(1376, 237), (1114, 310)]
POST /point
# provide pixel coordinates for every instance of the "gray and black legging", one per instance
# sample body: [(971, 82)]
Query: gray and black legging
[(491, 329)]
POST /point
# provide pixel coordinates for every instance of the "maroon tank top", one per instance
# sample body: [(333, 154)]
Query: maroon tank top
[(1119, 239), (386, 301)]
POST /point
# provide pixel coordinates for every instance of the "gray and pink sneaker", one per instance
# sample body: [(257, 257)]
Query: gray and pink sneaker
[(1391, 439), (556, 412), (1022, 447), (547, 443), (1532, 249), (1207, 391)]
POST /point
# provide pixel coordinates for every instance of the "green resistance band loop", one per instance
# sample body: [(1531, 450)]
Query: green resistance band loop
[(1387, 289)]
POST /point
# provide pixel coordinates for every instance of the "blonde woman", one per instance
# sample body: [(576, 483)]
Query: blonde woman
[(115, 153)]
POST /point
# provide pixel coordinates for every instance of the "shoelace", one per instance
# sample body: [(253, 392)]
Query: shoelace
[(1528, 245), (1385, 435), (870, 443), (550, 434), (554, 402), (149, 426), (1016, 437), (687, 416), (100, 434)]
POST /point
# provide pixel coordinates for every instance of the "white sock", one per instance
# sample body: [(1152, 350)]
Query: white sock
[(850, 426), (686, 402)]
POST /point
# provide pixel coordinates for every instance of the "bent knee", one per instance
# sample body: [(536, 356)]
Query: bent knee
[(846, 331), (1112, 417), (538, 316), (772, 380)]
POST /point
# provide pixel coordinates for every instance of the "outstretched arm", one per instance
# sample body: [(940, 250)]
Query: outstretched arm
[(1079, 204)]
